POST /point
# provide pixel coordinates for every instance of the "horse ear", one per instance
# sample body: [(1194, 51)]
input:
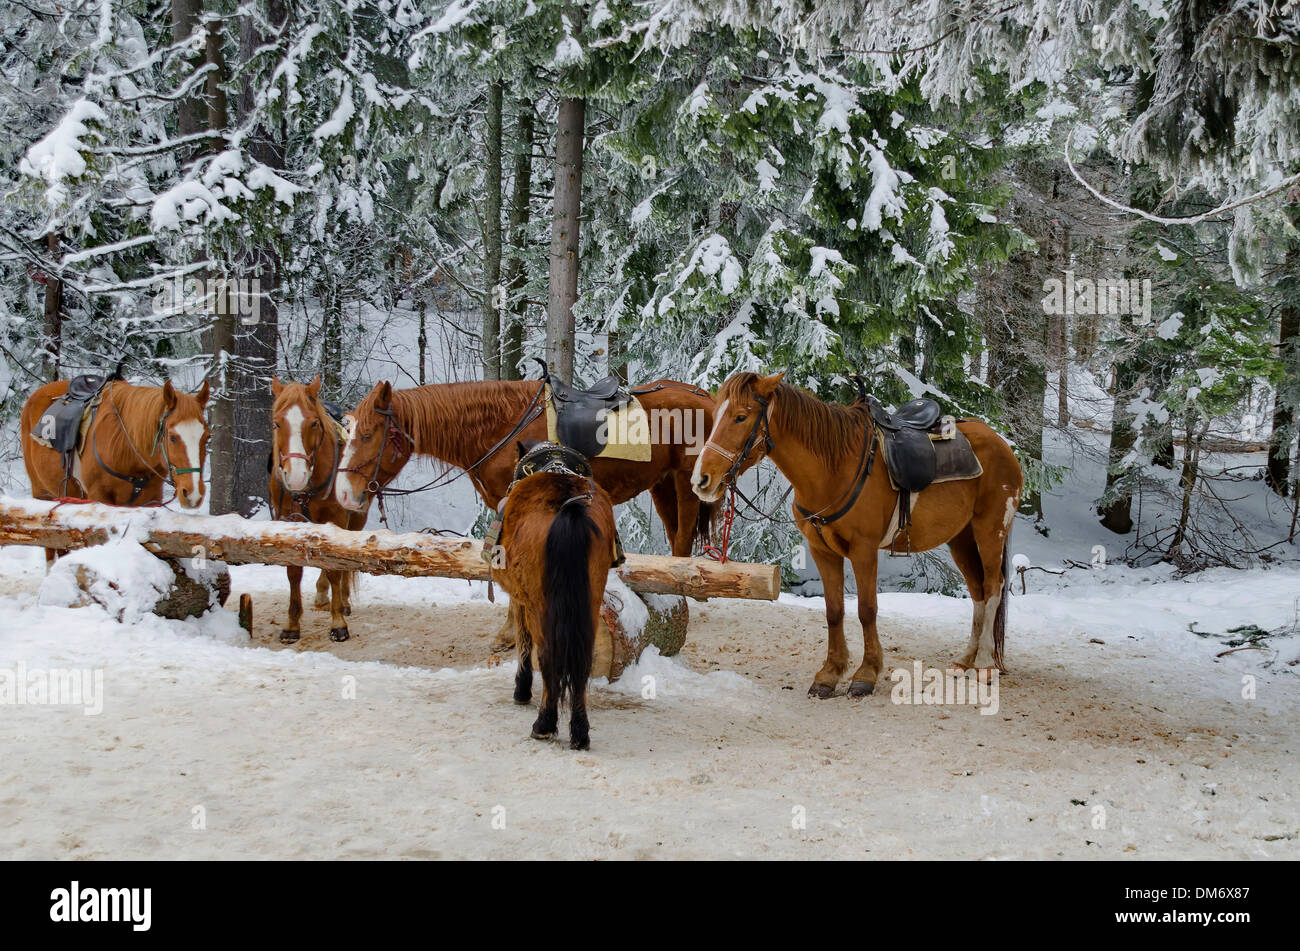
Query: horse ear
[(314, 387), (276, 386), (169, 396), (765, 386), (202, 394), (383, 395)]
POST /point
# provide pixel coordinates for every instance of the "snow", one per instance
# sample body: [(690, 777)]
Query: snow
[(127, 580), (60, 155), (404, 742)]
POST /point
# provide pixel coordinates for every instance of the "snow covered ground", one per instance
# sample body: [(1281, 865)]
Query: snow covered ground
[(1118, 733)]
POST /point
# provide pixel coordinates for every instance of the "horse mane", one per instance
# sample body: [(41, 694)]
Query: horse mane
[(456, 422), (830, 431)]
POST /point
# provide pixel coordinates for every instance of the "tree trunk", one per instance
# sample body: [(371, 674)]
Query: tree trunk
[(187, 16), (512, 335), (332, 341), (53, 329), (560, 329), (1187, 483), (494, 292), (1283, 438), (255, 337), (1116, 514)]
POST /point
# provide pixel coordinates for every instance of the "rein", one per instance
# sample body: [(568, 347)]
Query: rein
[(304, 498), (845, 500)]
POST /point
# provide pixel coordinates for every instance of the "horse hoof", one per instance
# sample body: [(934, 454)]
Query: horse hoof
[(500, 647), (542, 736), (347, 610), (820, 691), (860, 688), (339, 634), (523, 699), (288, 637), (321, 605), (580, 743)]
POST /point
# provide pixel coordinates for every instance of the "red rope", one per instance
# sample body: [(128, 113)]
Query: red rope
[(720, 554)]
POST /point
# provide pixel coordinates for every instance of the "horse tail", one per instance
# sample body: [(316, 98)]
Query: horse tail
[(706, 522), (1000, 616), (568, 634)]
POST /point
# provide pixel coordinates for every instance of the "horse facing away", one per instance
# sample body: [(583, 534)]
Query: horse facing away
[(819, 448), (304, 462), (139, 439), (557, 534), (460, 422)]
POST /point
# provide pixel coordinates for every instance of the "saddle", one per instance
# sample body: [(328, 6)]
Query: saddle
[(60, 426), (552, 457), (921, 448), (604, 420)]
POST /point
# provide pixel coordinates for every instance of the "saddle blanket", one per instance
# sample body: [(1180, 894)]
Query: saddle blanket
[(622, 433)]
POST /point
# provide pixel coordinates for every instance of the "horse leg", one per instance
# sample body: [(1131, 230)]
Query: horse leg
[(347, 593), (322, 591), (664, 495), (992, 531), (511, 632), (688, 514), (864, 678), (524, 673), (831, 568), (966, 556), (292, 628), (338, 623)]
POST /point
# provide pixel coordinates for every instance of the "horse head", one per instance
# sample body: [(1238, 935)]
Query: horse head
[(376, 449), (299, 428), (740, 436), (183, 439)]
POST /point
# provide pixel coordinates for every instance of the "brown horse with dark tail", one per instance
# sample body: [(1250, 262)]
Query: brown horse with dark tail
[(557, 543), (821, 449), (305, 457)]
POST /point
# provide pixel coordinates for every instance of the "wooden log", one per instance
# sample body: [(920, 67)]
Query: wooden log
[(193, 592), (626, 630), (237, 541)]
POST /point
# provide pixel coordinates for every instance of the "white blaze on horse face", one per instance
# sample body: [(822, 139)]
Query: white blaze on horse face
[(297, 474), (191, 435), (709, 495), (343, 481)]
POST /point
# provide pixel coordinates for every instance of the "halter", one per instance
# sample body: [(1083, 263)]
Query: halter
[(304, 497), (140, 483), (373, 486), (848, 497)]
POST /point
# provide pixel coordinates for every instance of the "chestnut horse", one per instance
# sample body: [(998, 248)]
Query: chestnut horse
[(557, 535), (304, 460), (460, 423), (819, 447), (139, 439)]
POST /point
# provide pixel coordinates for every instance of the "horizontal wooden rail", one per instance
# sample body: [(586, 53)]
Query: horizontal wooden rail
[(238, 541)]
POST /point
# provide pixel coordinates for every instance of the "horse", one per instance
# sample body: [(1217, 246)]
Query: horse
[(820, 449), (305, 456), (138, 439), (467, 424), (557, 537)]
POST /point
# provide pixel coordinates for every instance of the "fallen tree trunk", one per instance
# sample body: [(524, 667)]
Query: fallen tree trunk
[(237, 541)]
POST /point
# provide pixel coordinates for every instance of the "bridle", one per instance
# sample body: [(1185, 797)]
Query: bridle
[(373, 486), (140, 483), (845, 501), (305, 496)]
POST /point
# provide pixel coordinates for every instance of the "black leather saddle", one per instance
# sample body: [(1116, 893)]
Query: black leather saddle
[(551, 457), (59, 426), (579, 413), (336, 411), (905, 438)]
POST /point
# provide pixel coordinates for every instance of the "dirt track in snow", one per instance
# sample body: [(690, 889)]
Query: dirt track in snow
[(1095, 752)]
